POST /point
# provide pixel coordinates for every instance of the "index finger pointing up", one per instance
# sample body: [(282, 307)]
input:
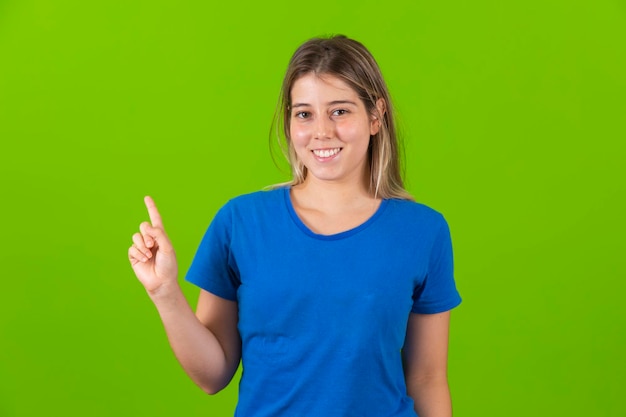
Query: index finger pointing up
[(155, 217)]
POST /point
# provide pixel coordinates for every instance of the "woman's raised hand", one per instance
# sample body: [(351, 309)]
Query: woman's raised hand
[(151, 255)]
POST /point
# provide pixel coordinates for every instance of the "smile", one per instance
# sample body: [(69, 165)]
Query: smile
[(326, 153)]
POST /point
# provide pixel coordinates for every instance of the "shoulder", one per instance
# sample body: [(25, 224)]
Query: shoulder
[(415, 213), (246, 210), (256, 198), (252, 205)]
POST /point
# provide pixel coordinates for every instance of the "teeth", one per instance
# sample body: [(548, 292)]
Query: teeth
[(326, 153)]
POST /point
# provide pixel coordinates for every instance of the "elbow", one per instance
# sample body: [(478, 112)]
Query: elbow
[(212, 389), (214, 381)]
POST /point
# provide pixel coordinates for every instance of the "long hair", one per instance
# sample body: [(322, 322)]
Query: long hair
[(351, 62)]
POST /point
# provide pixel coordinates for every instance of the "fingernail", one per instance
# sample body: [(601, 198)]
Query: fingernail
[(149, 254)]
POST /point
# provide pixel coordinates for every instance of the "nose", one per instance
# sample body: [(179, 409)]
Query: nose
[(323, 128)]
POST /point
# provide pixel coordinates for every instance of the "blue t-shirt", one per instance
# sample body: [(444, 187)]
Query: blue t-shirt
[(323, 318)]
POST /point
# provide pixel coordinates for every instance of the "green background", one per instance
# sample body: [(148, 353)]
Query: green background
[(514, 121)]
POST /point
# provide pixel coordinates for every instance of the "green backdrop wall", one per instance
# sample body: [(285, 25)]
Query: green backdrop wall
[(513, 115)]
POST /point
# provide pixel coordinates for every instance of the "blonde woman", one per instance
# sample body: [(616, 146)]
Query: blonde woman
[(333, 290)]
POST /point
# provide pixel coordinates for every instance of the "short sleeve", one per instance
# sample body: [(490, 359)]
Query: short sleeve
[(438, 292), (213, 268)]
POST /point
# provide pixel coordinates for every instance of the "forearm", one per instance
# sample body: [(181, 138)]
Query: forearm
[(431, 396), (197, 349)]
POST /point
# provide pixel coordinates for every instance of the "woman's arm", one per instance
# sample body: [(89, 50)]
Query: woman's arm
[(425, 359), (206, 344)]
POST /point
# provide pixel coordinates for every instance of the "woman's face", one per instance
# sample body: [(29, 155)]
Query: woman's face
[(330, 129)]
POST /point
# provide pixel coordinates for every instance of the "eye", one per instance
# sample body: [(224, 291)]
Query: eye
[(302, 114), (340, 112)]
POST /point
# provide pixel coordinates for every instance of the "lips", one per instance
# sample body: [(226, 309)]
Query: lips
[(326, 153)]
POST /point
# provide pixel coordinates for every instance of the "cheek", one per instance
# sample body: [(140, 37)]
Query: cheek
[(354, 133), (298, 136)]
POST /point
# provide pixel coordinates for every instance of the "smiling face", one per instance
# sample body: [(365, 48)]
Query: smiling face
[(330, 129)]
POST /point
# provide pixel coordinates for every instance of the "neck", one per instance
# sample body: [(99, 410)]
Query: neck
[(330, 195)]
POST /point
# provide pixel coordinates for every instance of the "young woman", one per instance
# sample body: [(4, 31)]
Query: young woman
[(333, 290)]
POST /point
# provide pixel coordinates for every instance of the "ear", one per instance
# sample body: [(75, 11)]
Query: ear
[(377, 116)]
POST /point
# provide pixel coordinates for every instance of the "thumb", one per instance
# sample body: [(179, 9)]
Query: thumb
[(155, 237)]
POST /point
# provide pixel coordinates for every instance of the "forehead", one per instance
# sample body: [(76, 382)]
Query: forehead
[(312, 86)]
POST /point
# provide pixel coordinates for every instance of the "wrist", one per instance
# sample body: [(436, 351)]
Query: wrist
[(165, 293)]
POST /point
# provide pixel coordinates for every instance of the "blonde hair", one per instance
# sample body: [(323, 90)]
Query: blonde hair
[(351, 62)]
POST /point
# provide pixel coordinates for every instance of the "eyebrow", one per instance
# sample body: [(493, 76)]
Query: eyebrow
[(331, 103)]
